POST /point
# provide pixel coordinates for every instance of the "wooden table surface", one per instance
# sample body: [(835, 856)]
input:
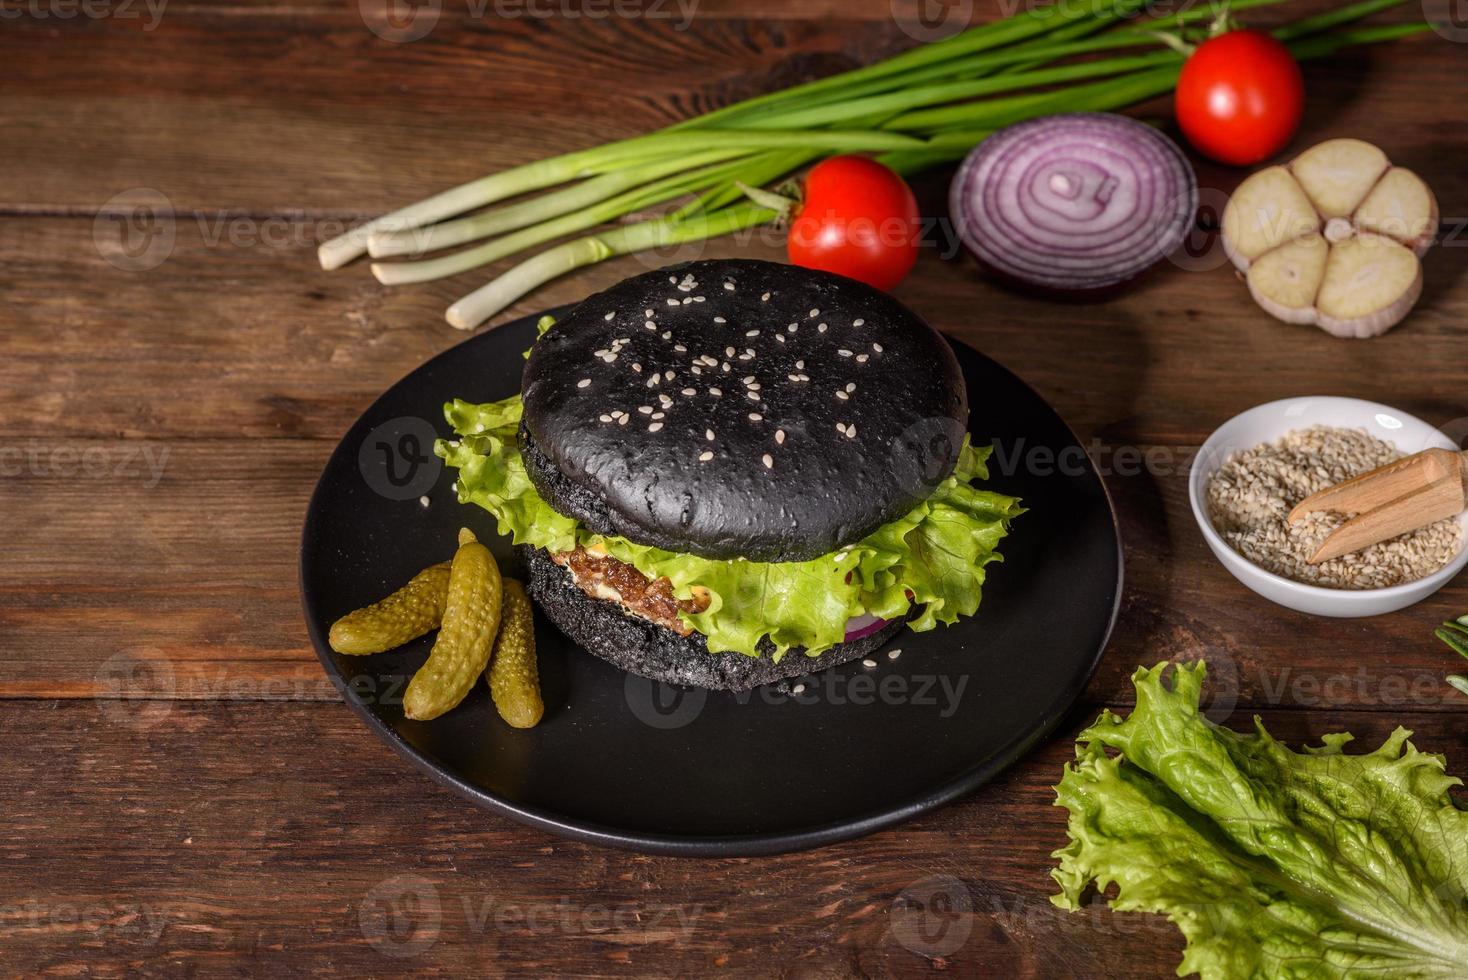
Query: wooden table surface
[(165, 410)]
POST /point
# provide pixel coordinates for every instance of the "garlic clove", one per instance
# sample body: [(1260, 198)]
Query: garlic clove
[(1400, 206), (1268, 209), (1371, 282), (1286, 280), (1338, 174)]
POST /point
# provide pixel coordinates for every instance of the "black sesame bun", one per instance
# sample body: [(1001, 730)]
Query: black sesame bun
[(648, 650), (740, 409)]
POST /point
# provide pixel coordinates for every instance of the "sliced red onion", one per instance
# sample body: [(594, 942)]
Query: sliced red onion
[(864, 625), (1074, 202)]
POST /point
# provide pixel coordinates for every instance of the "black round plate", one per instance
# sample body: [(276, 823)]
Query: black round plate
[(622, 761)]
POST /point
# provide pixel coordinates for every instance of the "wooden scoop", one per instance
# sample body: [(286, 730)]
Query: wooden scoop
[(1391, 500)]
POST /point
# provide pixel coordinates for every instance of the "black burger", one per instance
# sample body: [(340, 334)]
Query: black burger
[(727, 473)]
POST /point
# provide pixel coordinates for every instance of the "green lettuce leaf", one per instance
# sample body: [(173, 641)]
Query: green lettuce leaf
[(1272, 863), (936, 554)]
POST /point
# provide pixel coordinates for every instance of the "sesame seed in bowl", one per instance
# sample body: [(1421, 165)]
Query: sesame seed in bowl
[(1253, 470)]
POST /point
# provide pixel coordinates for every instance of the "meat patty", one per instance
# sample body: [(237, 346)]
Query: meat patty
[(604, 577)]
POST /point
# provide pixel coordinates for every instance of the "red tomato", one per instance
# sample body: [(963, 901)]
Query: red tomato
[(1240, 97), (857, 219)]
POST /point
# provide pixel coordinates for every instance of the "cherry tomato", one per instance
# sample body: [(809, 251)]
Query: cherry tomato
[(857, 219), (1240, 97)]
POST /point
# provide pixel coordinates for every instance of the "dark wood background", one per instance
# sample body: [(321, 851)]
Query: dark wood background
[(161, 430)]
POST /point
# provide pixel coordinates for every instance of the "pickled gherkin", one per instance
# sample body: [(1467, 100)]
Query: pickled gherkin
[(470, 620), (405, 615), (514, 679)]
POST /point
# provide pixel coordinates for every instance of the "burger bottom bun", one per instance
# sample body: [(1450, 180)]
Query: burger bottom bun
[(648, 650)]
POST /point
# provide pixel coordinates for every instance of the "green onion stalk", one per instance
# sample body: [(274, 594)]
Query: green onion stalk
[(414, 241), (1455, 635), (639, 199), (488, 300), (925, 107)]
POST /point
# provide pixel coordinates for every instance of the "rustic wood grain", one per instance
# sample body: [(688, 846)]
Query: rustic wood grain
[(267, 839), (270, 111), (181, 554), (252, 339), (161, 430)]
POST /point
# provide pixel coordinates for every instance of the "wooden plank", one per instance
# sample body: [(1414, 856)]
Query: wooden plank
[(180, 557), (220, 115), (279, 838), (192, 576), (574, 13), (161, 429), (251, 339), (273, 839)]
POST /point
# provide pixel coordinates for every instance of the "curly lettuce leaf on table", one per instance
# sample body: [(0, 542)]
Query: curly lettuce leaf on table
[(1272, 862)]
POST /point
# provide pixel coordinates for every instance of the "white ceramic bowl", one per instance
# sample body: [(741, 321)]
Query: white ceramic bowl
[(1269, 422)]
